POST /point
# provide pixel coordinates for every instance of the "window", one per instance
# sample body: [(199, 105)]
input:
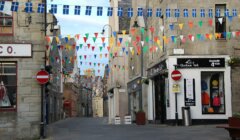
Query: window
[(110, 11), (220, 21), (130, 12), (140, 11), (149, 12), (210, 13), (99, 11), (88, 10), (159, 12), (120, 11), (8, 85), (185, 12), (202, 12), (65, 9), (212, 93), (77, 10), (177, 13), (41, 8), (53, 9), (6, 23), (194, 12)]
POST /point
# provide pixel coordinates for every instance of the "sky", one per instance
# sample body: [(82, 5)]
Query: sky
[(81, 24)]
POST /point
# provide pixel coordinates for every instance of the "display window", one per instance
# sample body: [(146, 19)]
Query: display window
[(8, 85), (212, 93)]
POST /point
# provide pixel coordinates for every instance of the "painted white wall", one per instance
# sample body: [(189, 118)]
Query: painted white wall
[(196, 111)]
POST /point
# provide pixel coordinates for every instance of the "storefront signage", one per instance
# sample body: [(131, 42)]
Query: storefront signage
[(200, 62), (157, 69), (15, 50), (189, 92)]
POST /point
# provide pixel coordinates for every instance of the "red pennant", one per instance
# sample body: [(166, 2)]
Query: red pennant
[(96, 35), (106, 54), (103, 39), (85, 56), (138, 38), (98, 64), (115, 53), (93, 48), (88, 45), (207, 36), (98, 71), (210, 22), (90, 63), (62, 46), (151, 29), (85, 39), (47, 47), (190, 24), (108, 48), (155, 39), (190, 37), (238, 33), (115, 66)]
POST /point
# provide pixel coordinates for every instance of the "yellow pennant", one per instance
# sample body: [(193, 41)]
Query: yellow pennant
[(57, 39), (111, 41), (69, 36), (123, 32), (100, 55), (132, 52), (180, 26), (210, 36), (158, 42)]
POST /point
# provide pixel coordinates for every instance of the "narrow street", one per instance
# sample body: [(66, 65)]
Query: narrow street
[(98, 129)]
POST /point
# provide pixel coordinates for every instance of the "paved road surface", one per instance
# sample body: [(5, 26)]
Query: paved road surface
[(98, 129)]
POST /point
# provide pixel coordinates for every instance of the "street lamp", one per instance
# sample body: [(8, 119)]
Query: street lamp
[(103, 30)]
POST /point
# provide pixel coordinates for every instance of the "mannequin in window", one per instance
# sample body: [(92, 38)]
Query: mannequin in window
[(4, 99), (216, 103), (205, 96)]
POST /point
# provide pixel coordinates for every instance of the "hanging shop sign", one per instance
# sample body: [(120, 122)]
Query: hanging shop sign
[(157, 69), (15, 50), (201, 62)]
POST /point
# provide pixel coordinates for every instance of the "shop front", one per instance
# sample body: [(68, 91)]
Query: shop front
[(134, 97), (205, 87), (157, 96)]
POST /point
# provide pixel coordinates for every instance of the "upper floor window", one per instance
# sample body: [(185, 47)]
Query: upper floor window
[(6, 24), (220, 21)]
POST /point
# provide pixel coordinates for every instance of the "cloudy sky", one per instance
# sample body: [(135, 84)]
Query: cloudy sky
[(81, 24)]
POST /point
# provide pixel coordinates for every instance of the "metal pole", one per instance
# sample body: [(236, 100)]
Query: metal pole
[(176, 109), (42, 114), (140, 98)]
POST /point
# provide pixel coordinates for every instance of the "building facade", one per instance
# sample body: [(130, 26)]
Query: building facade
[(196, 39), (22, 43)]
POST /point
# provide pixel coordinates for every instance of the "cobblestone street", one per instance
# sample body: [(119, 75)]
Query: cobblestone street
[(98, 129)]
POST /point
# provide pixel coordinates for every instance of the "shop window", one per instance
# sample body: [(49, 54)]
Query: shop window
[(212, 92), (220, 21), (8, 85), (6, 24)]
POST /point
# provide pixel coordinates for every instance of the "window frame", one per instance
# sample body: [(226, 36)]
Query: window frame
[(11, 109), (2, 26)]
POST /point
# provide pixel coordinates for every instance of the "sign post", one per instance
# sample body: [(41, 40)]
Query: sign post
[(42, 78), (176, 75)]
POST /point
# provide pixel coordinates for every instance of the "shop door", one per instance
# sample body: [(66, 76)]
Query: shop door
[(160, 104)]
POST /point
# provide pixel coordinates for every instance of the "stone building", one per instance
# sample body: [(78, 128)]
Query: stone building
[(118, 75), (199, 43), (22, 44)]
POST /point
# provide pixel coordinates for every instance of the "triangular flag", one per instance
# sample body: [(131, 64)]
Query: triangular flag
[(95, 56), (190, 37), (94, 39), (120, 40), (190, 24), (126, 43), (142, 42), (115, 34), (108, 48), (210, 36), (93, 48), (220, 20), (180, 26), (87, 34), (233, 34), (210, 22), (171, 26), (138, 38), (158, 42), (100, 55), (85, 39), (181, 37), (81, 46), (172, 38), (161, 28), (132, 31), (129, 38), (200, 23), (123, 49), (151, 29), (198, 36), (76, 48), (147, 39), (100, 48), (142, 30), (88, 45), (103, 39)]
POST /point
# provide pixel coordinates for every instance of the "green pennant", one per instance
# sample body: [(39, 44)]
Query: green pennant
[(87, 34), (94, 39), (145, 49), (94, 64), (126, 43), (200, 23), (198, 36), (142, 30), (52, 59), (81, 46), (80, 57), (111, 54), (147, 39), (100, 48), (229, 35), (175, 40)]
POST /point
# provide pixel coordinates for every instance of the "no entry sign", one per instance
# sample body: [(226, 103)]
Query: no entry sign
[(42, 77), (176, 75)]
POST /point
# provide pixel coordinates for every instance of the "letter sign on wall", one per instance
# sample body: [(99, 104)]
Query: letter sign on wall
[(15, 50)]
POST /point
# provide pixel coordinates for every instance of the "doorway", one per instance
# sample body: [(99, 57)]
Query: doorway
[(160, 103)]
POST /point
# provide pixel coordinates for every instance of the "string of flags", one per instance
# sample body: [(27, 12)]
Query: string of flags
[(30, 7)]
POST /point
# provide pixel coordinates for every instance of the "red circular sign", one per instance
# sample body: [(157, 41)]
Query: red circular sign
[(176, 75), (42, 77)]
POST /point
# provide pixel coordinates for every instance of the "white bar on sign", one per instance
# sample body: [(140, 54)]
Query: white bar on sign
[(176, 75), (42, 77)]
